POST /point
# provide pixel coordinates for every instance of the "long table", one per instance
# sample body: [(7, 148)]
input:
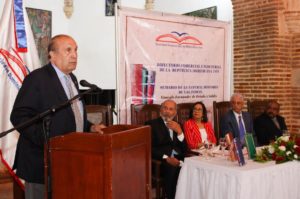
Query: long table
[(218, 178)]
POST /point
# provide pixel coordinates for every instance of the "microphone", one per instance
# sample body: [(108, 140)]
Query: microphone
[(85, 83)]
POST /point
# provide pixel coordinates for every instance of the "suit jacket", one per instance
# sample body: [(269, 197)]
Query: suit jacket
[(193, 135), (40, 91), (162, 142), (266, 130), (230, 124)]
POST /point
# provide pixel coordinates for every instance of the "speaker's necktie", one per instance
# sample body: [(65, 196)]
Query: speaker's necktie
[(242, 130), (75, 105)]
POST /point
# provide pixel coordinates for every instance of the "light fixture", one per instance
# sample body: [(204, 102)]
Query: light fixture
[(68, 8)]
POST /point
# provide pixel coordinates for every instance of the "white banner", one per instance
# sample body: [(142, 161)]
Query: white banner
[(14, 66), (170, 57)]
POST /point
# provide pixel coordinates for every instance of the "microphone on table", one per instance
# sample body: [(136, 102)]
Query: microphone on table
[(85, 83)]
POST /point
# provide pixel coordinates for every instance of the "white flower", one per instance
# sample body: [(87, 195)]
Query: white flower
[(288, 153), (285, 138), (295, 146), (295, 156), (282, 148), (271, 149)]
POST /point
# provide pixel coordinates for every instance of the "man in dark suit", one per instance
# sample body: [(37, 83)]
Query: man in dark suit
[(269, 124), (168, 145), (45, 87), (236, 121)]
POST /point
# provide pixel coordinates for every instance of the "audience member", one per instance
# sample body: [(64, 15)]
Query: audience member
[(269, 124), (168, 145), (197, 129), (236, 121)]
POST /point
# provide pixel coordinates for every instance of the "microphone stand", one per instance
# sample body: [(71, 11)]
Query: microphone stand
[(46, 116)]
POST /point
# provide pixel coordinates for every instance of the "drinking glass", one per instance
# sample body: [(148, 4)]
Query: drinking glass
[(208, 146), (285, 133), (222, 142)]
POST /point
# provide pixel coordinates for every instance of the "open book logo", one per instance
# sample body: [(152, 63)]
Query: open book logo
[(178, 38)]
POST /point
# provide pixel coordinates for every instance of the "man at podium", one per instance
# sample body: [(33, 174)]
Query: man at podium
[(168, 145), (50, 85)]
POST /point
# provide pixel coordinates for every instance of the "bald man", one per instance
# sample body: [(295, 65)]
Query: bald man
[(269, 124), (168, 145), (43, 88)]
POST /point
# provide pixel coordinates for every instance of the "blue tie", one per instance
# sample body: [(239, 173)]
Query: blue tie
[(242, 130)]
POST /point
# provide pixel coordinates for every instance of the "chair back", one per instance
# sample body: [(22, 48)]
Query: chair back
[(99, 114), (219, 109), (256, 107), (183, 112), (140, 113)]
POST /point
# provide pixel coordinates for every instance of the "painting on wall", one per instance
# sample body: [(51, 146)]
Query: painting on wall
[(40, 22), (210, 13), (110, 7)]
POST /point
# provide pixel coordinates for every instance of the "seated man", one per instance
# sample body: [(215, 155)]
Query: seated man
[(168, 145), (269, 124), (236, 121)]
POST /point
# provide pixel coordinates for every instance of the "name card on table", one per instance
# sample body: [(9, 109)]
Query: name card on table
[(250, 145), (239, 151), (229, 140)]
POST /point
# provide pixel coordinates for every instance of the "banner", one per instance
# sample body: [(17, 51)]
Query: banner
[(170, 57), (18, 56)]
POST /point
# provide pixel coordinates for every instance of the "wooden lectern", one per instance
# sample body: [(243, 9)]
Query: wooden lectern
[(116, 164)]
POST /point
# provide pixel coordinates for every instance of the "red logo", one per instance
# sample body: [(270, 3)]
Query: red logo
[(13, 65), (178, 38)]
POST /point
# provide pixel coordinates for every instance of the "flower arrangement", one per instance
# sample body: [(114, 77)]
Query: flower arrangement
[(283, 149)]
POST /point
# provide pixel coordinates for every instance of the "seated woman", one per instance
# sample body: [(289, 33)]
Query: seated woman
[(197, 130)]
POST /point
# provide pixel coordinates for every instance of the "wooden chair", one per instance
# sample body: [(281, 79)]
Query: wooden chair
[(256, 107), (219, 109), (100, 114), (183, 112), (140, 113)]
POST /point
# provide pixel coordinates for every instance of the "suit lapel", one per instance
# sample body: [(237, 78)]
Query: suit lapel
[(55, 82), (234, 124), (165, 131)]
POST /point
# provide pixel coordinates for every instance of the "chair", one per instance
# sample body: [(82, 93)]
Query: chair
[(183, 112), (256, 107), (99, 114), (219, 109), (140, 113)]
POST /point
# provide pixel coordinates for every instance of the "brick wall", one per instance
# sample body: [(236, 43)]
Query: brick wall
[(267, 53)]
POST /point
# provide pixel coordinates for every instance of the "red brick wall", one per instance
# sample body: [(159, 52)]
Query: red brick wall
[(267, 53)]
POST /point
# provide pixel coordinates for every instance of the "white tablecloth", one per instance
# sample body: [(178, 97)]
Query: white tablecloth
[(217, 178)]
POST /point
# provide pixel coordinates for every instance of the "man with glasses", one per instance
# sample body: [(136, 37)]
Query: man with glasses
[(269, 124), (237, 121)]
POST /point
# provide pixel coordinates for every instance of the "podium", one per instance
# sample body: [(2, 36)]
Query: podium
[(116, 164)]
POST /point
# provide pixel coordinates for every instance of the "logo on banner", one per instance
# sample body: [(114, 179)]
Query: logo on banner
[(178, 39), (14, 67)]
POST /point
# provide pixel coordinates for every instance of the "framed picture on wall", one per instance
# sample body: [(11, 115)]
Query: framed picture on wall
[(110, 7), (210, 13), (40, 22)]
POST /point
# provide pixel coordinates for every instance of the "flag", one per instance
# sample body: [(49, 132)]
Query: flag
[(18, 56)]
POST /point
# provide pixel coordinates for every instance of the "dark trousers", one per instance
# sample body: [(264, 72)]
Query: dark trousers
[(170, 175), (34, 191)]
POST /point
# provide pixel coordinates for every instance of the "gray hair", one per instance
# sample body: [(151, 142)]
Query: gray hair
[(236, 95)]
